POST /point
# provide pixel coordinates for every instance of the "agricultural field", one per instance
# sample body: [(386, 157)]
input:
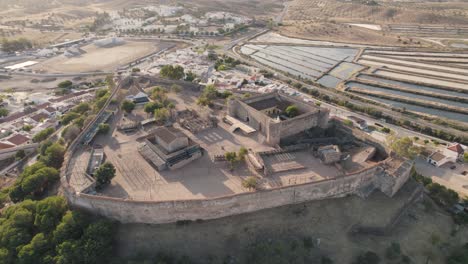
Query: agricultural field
[(428, 83), (313, 63)]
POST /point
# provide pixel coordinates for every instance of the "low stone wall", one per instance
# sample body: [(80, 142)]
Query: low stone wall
[(152, 212)]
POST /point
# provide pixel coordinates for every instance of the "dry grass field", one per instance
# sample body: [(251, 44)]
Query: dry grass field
[(99, 59), (42, 38), (382, 12), (338, 32), (423, 233), (326, 20)]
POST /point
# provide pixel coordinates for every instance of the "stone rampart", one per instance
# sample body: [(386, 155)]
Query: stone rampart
[(157, 212)]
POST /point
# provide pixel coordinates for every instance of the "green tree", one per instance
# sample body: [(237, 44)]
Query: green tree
[(54, 156), (231, 157), (71, 227), (49, 212), (36, 183), (190, 76), (81, 108), (4, 256), (20, 154), (27, 128), (136, 70), (101, 93), (103, 128), (65, 84), (104, 174), (292, 111), (97, 242), (69, 251), (44, 134), (150, 107), (159, 94), (3, 112), (404, 147), (32, 252), (15, 45), (43, 146), (242, 153), (68, 117), (161, 115), (128, 106), (208, 95), (172, 72), (99, 103)]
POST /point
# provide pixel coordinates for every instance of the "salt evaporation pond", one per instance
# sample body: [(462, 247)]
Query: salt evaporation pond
[(421, 109), (407, 95), (412, 86)]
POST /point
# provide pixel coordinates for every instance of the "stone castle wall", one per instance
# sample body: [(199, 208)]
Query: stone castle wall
[(156, 212), (153, 212), (275, 131)]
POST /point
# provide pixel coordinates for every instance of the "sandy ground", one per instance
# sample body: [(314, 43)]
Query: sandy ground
[(99, 59), (329, 221), (454, 179)]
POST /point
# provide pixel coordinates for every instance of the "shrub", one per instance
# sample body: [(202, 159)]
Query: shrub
[(250, 183), (104, 174), (292, 111), (20, 154), (3, 112), (172, 72), (65, 84), (27, 127), (128, 106), (103, 128), (43, 134)]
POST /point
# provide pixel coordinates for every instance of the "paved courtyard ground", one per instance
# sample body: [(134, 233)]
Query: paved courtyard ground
[(451, 178), (203, 178)]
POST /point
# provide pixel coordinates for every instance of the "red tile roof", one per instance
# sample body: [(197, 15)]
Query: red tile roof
[(18, 115), (5, 146), (457, 148), (50, 109), (39, 117), (18, 139)]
